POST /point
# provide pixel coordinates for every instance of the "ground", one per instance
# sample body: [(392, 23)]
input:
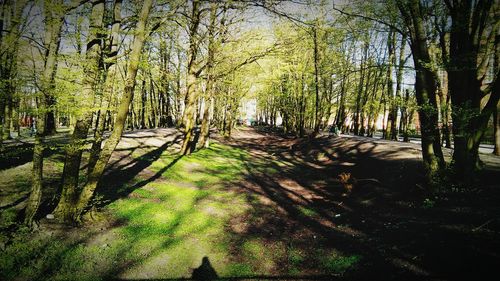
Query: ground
[(258, 205)]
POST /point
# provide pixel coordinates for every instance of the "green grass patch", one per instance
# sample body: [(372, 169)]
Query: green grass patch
[(296, 258), (164, 228), (308, 212), (339, 264), (239, 269), (161, 230)]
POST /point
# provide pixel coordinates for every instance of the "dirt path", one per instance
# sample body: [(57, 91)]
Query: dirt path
[(364, 198)]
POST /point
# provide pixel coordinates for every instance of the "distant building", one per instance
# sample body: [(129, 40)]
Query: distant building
[(248, 111)]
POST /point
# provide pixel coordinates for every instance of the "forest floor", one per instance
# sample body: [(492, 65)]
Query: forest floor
[(258, 205)]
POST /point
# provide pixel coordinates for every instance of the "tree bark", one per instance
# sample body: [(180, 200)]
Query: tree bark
[(496, 128), (121, 115), (425, 88), (52, 36), (9, 46), (205, 125), (54, 18), (143, 105), (316, 79), (92, 77), (189, 117), (468, 30), (35, 196), (390, 130)]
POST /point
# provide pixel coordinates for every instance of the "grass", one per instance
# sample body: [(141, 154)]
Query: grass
[(15, 184), (308, 212), (162, 229), (336, 263)]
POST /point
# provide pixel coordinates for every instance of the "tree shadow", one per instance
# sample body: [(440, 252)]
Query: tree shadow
[(380, 217), (19, 154), (117, 181)]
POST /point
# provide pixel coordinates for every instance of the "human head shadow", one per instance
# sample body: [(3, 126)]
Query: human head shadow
[(205, 272)]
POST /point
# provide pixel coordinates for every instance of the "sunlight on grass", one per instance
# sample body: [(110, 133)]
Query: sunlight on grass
[(164, 227), (161, 230)]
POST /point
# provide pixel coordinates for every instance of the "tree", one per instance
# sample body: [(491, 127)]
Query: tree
[(12, 22), (474, 29), (194, 71), (54, 14), (91, 80), (425, 85)]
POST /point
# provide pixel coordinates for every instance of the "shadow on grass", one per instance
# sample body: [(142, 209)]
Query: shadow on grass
[(376, 213), (116, 183), (297, 202), (19, 154)]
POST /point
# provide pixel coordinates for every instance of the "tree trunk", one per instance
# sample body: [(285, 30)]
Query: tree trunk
[(92, 76), (399, 81), (9, 45), (425, 88), (316, 79), (143, 105), (121, 115), (496, 128), (469, 120), (95, 149), (205, 125), (390, 130), (53, 24), (340, 120), (189, 117), (7, 126), (153, 102), (52, 36), (35, 196), (209, 100)]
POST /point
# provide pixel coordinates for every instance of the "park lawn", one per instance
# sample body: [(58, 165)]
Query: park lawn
[(163, 229)]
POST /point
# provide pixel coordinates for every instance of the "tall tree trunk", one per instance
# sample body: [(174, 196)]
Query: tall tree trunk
[(10, 30), (316, 79), (35, 196), (444, 95), (209, 100), (109, 76), (95, 149), (468, 30), (205, 125), (92, 77), (54, 17), (357, 113), (390, 130), (192, 92), (405, 116), (143, 105), (399, 81), (121, 115), (496, 128), (425, 88), (7, 126), (340, 120), (153, 103), (52, 36), (2, 113)]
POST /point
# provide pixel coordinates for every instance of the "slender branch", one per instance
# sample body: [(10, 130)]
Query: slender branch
[(370, 19)]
